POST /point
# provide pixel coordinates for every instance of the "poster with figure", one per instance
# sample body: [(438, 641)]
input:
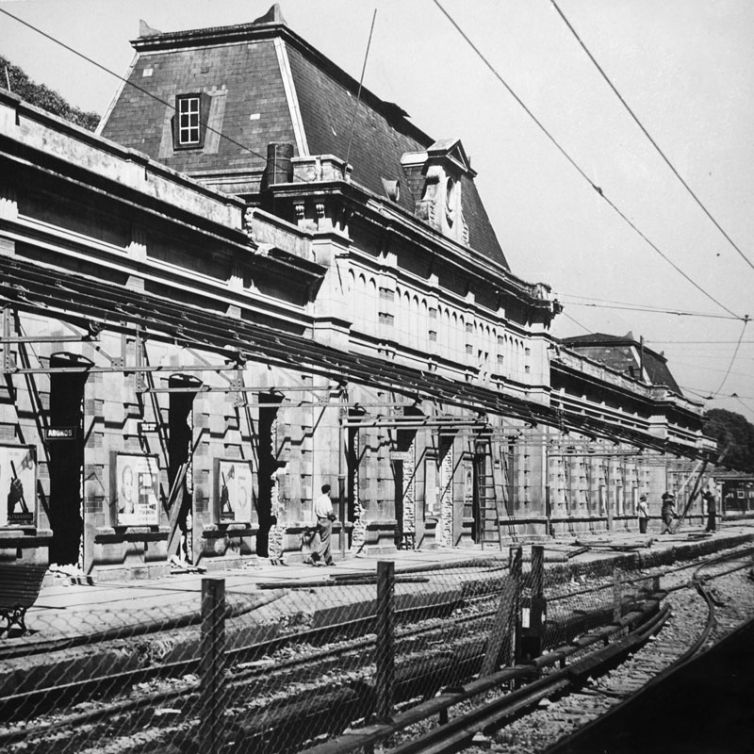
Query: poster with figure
[(18, 485), (233, 485), (137, 479)]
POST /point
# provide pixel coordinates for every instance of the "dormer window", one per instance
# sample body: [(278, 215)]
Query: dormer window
[(191, 113), (438, 175)]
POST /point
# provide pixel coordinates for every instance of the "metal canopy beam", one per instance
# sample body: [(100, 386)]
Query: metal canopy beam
[(38, 290)]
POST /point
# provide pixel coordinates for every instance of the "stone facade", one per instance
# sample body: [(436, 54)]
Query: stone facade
[(191, 358)]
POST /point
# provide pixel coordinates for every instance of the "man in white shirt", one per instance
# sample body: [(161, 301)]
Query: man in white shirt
[(323, 512)]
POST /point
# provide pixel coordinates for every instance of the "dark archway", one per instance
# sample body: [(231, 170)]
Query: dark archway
[(180, 456), (65, 436)]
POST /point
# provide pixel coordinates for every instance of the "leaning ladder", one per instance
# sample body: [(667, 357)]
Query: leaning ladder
[(492, 495)]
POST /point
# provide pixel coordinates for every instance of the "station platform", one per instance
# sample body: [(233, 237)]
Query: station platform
[(268, 596)]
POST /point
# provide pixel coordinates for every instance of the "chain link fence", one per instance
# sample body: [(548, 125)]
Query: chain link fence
[(285, 664)]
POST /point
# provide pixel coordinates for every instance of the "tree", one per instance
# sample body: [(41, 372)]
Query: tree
[(38, 94), (735, 438)]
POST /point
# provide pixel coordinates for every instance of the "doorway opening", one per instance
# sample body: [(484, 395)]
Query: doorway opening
[(66, 458), (268, 465), (180, 458)]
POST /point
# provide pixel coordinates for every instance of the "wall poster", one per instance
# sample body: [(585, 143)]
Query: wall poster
[(137, 479), (233, 490), (18, 485)]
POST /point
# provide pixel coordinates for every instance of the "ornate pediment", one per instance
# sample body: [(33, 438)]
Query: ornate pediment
[(451, 152), (438, 173)]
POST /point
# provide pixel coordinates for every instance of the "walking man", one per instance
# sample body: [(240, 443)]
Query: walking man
[(668, 512), (643, 513), (323, 512)]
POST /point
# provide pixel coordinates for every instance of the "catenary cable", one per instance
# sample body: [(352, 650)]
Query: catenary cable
[(576, 166), (651, 310), (697, 342), (130, 83), (361, 84), (733, 358), (565, 314), (649, 137)]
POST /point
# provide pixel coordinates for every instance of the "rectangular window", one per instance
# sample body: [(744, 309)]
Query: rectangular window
[(190, 120)]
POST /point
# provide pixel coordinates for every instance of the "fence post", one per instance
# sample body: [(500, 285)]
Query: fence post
[(537, 570), (502, 640), (533, 608), (212, 665), (385, 648)]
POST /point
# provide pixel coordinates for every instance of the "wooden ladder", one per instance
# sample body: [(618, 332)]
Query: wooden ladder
[(492, 495)]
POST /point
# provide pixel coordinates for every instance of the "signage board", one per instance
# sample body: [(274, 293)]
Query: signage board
[(137, 479), (18, 484), (233, 490), (61, 433)]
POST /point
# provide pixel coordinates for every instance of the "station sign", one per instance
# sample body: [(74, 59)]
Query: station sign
[(61, 433)]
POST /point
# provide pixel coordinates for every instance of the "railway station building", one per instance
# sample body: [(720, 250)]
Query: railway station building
[(257, 278)]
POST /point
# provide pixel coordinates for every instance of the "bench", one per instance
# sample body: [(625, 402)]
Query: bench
[(19, 588)]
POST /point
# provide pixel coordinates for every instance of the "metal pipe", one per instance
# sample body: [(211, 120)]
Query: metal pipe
[(407, 425)]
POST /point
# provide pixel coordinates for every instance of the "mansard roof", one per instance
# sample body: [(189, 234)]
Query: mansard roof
[(621, 352), (268, 85)]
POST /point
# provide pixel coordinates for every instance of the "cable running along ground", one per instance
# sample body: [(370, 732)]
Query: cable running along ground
[(576, 166), (649, 137)]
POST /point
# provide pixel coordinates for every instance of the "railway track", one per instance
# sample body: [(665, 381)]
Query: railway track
[(434, 654), (717, 598)]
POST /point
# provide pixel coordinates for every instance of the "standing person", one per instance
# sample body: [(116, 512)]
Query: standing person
[(643, 513), (324, 514), (668, 512), (711, 499)]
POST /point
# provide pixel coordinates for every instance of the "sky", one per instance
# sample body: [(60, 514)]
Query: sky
[(685, 67)]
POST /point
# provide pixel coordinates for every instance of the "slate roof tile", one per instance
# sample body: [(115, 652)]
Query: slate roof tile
[(376, 132)]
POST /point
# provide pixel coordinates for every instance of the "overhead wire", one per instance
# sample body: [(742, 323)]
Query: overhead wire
[(648, 135), (575, 297), (513, 94), (696, 365), (745, 405), (697, 342), (130, 83), (576, 166), (733, 358), (653, 310), (361, 83), (583, 327)]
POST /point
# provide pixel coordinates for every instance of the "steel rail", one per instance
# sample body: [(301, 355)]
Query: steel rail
[(255, 651), (461, 726), (452, 736), (249, 675), (552, 657), (691, 653)]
